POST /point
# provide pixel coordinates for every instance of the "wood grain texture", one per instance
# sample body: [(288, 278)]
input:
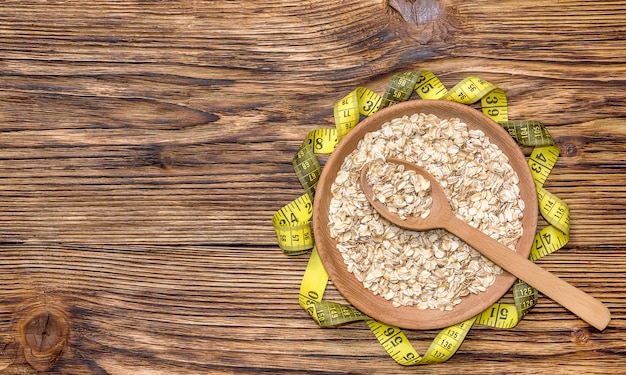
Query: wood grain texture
[(145, 145)]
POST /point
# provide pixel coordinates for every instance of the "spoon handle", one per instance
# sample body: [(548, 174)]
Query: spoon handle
[(575, 300)]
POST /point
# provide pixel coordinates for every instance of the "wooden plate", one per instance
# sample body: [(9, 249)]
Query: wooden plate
[(376, 306)]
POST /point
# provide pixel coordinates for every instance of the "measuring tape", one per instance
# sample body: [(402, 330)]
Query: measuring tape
[(292, 222)]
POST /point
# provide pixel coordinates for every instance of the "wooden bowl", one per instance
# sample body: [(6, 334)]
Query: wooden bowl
[(376, 306)]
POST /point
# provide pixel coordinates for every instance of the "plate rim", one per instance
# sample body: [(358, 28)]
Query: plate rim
[(409, 316)]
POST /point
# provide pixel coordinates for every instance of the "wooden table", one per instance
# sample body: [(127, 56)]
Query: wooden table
[(145, 146)]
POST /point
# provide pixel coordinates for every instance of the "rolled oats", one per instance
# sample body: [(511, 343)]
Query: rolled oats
[(430, 269), (404, 192)]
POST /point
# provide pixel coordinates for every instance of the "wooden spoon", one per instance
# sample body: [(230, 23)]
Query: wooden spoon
[(441, 217)]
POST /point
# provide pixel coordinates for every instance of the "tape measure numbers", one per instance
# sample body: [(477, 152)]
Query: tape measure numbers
[(326, 314), (469, 90), (400, 88), (397, 345), (428, 86), (494, 105), (504, 315), (292, 222)]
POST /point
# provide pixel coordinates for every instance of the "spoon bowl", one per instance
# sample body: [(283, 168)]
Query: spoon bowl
[(440, 211)]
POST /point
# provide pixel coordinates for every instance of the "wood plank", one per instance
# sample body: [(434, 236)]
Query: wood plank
[(144, 147)]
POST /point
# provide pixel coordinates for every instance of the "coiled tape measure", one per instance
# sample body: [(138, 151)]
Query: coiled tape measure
[(292, 222)]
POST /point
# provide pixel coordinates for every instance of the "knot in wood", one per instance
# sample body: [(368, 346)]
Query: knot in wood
[(418, 12), (424, 20), (570, 145), (166, 159), (569, 150), (580, 336), (44, 333)]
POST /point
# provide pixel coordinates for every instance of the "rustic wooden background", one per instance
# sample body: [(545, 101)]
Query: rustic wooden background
[(145, 145)]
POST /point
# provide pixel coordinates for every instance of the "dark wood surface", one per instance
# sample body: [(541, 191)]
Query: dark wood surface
[(145, 145)]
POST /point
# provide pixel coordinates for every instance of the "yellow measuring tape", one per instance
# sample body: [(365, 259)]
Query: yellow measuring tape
[(292, 222)]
